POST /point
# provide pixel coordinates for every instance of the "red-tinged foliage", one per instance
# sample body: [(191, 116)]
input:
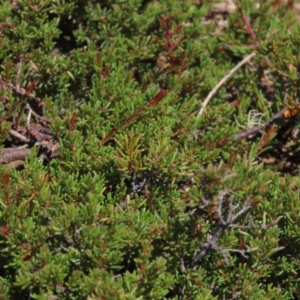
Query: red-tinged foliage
[(153, 102), (4, 230)]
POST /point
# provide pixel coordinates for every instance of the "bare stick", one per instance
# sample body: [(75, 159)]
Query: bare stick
[(28, 118), (261, 127), (13, 154), (232, 217), (19, 136), (243, 252), (37, 115), (223, 80)]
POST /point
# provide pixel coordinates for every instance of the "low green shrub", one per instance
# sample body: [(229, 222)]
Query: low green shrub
[(132, 186)]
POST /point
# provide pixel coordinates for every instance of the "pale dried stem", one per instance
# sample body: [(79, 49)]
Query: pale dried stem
[(223, 80)]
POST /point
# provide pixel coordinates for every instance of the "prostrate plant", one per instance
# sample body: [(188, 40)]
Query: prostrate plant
[(128, 184)]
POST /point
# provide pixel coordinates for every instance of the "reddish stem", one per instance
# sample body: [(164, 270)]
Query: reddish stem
[(154, 101), (249, 27)]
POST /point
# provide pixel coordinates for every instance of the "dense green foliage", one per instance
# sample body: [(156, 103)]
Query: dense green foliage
[(122, 83)]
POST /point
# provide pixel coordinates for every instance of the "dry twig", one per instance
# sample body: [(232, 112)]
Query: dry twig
[(19, 136), (261, 127), (224, 79), (233, 215)]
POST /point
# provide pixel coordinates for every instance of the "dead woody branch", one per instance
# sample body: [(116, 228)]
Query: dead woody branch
[(22, 138), (234, 213), (260, 128)]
